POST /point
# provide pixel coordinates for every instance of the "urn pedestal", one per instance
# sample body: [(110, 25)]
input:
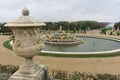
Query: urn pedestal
[(40, 74)]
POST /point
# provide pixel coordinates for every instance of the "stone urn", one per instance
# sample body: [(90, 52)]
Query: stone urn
[(27, 44)]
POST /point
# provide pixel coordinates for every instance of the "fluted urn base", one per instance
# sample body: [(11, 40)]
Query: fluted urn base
[(40, 73)]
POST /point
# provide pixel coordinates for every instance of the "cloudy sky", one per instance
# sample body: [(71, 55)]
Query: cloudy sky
[(62, 10)]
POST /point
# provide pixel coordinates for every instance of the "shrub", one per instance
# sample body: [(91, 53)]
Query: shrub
[(9, 69), (118, 33), (111, 33), (63, 75), (6, 71), (58, 74)]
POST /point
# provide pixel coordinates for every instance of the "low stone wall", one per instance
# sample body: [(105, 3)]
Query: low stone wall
[(101, 52), (77, 42)]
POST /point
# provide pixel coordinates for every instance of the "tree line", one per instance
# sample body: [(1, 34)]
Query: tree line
[(74, 26), (4, 30)]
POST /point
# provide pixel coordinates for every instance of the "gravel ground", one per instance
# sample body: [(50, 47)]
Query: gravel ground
[(93, 65)]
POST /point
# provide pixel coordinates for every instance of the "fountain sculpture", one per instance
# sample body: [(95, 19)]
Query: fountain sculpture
[(27, 44), (62, 38)]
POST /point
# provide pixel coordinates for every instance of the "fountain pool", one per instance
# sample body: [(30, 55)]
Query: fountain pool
[(91, 45)]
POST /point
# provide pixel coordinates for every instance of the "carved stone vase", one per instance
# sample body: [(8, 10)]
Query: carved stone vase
[(27, 44)]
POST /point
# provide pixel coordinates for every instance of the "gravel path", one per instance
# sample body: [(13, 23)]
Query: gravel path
[(92, 65)]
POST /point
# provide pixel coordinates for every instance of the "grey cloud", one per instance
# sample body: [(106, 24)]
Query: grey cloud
[(58, 10)]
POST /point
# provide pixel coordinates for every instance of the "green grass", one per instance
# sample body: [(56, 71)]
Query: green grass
[(7, 45)]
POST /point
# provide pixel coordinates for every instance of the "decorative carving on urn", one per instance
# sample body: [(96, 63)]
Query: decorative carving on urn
[(25, 39)]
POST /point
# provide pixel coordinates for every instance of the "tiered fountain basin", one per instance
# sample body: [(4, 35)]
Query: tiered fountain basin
[(69, 41)]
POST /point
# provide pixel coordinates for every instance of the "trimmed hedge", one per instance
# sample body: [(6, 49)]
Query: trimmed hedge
[(6, 71), (63, 75)]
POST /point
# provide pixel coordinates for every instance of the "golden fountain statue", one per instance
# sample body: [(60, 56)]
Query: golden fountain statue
[(62, 38)]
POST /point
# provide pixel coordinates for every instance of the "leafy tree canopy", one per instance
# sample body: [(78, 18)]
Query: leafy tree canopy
[(76, 25), (117, 25)]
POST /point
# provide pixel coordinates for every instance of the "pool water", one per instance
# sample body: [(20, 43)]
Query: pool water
[(89, 45)]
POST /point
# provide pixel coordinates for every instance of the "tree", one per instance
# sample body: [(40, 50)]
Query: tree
[(75, 26), (4, 29), (117, 25)]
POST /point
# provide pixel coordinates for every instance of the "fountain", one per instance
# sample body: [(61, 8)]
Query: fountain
[(27, 44), (62, 38)]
